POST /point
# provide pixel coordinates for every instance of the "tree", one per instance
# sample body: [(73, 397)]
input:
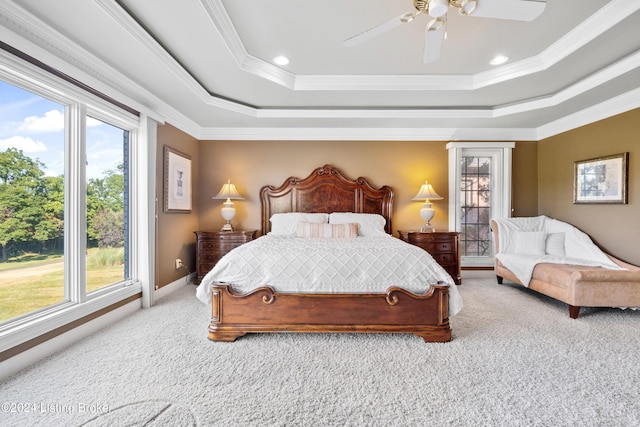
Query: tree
[(110, 225), (21, 198), (105, 208), (51, 225)]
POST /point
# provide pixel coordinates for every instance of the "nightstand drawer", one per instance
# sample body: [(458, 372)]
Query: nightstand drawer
[(437, 247), (205, 267), (222, 245), (442, 246), (429, 238), (213, 245), (444, 259)]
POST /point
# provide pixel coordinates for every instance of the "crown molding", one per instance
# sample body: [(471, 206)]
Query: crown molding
[(217, 13), (36, 38), (151, 45), (366, 134), (362, 113), (602, 76), (220, 19), (606, 17), (32, 36), (597, 24), (612, 107)]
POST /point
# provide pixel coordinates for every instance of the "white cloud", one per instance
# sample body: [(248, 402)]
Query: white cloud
[(52, 121), (23, 143), (91, 122)]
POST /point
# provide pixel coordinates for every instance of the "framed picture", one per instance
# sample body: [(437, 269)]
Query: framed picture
[(601, 180), (177, 181)]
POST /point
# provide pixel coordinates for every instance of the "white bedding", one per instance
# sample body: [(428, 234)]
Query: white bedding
[(369, 264), (578, 247)]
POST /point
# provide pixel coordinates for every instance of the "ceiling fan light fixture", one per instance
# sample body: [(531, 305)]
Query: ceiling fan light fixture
[(435, 24), (408, 17), (438, 8), (466, 7)]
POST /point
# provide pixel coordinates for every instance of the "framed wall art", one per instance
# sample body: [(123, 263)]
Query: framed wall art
[(177, 181), (601, 180)]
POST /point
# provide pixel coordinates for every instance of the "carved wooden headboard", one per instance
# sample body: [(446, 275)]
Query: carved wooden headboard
[(325, 190)]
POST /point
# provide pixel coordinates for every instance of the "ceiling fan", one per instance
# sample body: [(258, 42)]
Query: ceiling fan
[(435, 31)]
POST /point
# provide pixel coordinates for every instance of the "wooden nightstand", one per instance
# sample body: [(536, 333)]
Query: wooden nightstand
[(213, 245), (441, 245)]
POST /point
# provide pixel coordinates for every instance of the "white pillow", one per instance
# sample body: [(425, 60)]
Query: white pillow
[(369, 224), (315, 230), (286, 224), (530, 242), (555, 244)]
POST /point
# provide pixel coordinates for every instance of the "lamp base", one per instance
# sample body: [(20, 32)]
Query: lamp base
[(427, 214), (228, 212), (427, 228)]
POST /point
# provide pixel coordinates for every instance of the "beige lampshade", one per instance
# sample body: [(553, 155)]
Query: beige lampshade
[(228, 191), (427, 192)]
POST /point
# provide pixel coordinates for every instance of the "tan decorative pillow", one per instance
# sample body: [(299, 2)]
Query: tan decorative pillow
[(314, 230)]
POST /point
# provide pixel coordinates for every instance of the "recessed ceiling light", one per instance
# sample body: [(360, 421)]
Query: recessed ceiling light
[(499, 59), (281, 60)]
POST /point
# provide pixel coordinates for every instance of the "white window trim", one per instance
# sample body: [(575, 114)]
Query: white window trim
[(501, 186), (78, 102)]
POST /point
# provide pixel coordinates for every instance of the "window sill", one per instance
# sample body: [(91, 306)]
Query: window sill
[(41, 323)]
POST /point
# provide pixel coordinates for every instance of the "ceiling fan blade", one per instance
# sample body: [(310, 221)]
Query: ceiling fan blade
[(433, 38), (382, 28), (516, 10)]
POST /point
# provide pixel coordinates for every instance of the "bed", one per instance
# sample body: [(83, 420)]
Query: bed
[(243, 299)]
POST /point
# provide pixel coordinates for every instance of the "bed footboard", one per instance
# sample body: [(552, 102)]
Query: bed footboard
[(264, 310)]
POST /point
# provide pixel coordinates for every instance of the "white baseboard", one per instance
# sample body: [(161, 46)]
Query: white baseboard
[(177, 284)]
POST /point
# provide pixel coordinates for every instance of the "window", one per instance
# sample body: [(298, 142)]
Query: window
[(475, 205), (32, 202), (107, 239), (73, 189), (479, 189)]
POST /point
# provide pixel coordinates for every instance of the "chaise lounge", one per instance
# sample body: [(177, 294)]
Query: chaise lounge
[(556, 259)]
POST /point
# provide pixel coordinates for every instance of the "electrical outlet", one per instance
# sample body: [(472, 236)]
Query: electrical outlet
[(178, 263)]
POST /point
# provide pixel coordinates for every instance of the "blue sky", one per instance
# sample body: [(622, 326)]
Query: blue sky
[(35, 125)]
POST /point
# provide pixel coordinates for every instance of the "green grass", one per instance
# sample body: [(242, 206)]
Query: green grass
[(105, 257), (23, 291)]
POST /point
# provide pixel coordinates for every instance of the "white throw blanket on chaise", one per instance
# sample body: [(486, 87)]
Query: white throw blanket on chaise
[(525, 242)]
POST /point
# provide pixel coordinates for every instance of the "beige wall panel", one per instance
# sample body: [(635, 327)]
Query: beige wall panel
[(524, 183), (175, 238), (402, 165), (616, 228), (251, 164)]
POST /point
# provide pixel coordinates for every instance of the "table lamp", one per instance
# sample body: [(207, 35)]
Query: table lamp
[(228, 192), (427, 193)]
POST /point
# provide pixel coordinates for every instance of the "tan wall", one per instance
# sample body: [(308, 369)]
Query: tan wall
[(616, 228), (174, 235), (402, 165), (524, 184), (251, 164), (542, 182)]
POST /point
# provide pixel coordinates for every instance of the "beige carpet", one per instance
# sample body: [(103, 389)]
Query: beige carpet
[(516, 359)]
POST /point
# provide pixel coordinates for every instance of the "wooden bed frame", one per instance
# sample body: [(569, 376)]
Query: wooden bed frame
[(264, 310)]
